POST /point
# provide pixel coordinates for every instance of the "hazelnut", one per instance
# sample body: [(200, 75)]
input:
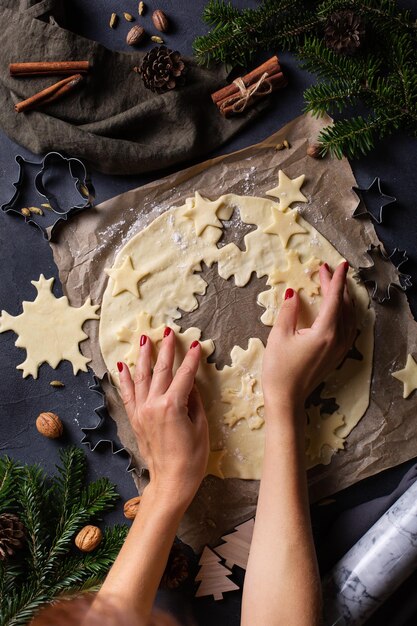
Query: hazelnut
[(49, 425), (89, 538), (314, 151), (160, 21), (135, 35), (131, 507)]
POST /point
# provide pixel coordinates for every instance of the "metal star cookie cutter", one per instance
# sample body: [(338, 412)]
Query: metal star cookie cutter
[(384, 273), (82, 184), (103, 415), (361, 210)]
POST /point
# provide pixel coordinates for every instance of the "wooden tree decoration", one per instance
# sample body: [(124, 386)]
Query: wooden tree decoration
[(236, 549), (213, 576)]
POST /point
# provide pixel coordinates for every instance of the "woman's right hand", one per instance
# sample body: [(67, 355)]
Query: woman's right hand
[(296, 361)]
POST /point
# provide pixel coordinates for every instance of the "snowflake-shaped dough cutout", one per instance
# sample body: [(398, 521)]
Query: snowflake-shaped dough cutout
[(203, 212), (144, 327), (245, 403), (284, 224), (297, 275), (50, 329), (125, 278), (321, 431), (288, 190)]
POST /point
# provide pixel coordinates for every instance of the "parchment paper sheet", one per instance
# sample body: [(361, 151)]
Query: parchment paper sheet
[(387, 434)]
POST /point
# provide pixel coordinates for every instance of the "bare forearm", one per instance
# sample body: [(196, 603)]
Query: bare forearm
[(282, 583), (134, 578)]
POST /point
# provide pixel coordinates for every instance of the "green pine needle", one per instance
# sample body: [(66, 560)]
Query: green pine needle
[(53, 511), (382, 76)]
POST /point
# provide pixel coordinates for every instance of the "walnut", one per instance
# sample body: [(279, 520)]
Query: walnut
[(49, 425), (135, 35), (160, 21), (131, 507), (89, 538)]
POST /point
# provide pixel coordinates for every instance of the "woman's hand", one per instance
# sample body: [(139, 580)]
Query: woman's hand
[(168, 419), (296, 361)]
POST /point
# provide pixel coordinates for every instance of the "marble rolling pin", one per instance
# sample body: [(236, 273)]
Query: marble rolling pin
[(381, 560)]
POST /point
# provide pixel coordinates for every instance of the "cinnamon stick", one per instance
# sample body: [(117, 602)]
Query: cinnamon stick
[(271, 67), (50, 94), (278, 81), (44, 68)]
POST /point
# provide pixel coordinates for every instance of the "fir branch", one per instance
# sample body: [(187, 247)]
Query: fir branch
[(325, 98), (218, 12), (9, 474)]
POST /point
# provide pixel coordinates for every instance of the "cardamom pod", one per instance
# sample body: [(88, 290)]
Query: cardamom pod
[(25, 211), (84, 191), (141, 8), (35, 210), (113, 20), (128, 17), (46, 205), (56, 383), (157, 39)]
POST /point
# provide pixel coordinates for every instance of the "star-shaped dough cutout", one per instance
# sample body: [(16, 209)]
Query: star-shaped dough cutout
[(214, 464), (132, 335), (408, 376), (50, 329), (245, 403), (288, 190), (203, 212), (284, 225), (321, 431), (125, 278), (297, 275)]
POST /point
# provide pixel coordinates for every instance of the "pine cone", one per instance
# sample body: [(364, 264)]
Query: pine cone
[(177, 568), (344, 32), (12, 535), (162, 69)]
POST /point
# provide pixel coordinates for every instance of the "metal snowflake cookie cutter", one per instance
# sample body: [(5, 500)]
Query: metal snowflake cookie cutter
[(383, 273), (82, 184), (103, 415), (361, 192)]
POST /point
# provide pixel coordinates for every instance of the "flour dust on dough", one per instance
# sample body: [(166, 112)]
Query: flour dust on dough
[(168, 255)]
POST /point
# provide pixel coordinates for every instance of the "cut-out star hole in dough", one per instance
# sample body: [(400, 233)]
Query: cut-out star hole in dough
[(126, 278), (284, 225), (288, 190), (408, 376), (297, 275), (235, 231), (214, 464), (50, 329), (321, 431), (245, 403), (203, 212)]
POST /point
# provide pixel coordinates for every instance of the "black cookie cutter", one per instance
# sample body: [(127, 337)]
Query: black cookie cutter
[(83, 186), (371, 273), (103, 415), (361, 211)]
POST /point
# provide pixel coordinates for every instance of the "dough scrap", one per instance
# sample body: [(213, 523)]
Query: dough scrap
[(297, 274), (50, 329), (408, 376), (288, 190), (284, 225), (322, 431), (126, 278), (171, 251), (245, 403), (214, 465)]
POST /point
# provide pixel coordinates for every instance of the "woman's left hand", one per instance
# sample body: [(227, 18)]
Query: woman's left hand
[(168, 419)]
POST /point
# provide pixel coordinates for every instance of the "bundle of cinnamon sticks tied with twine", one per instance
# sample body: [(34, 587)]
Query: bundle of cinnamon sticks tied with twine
[(74, 70), (246, 90)]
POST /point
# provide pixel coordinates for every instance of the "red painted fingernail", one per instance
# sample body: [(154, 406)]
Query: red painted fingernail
[(327, 267), (288, 293), (143, 340), (194, 344), (167, 331), (346, 266), (119, 366)]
